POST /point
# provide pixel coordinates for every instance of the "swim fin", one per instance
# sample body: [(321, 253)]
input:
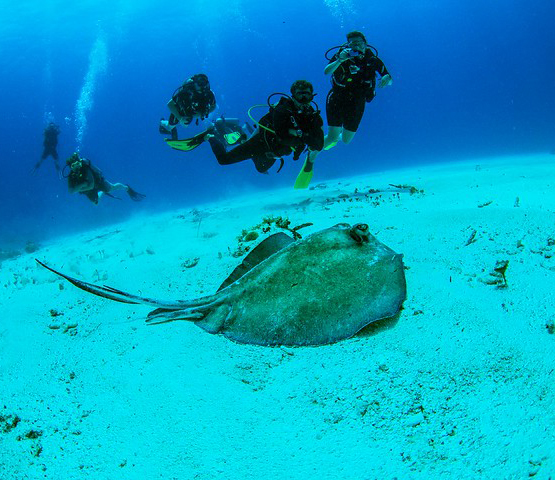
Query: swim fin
[(187, 144), (305, 175)]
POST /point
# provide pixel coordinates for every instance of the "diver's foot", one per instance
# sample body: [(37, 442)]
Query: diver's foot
[(208, 134), (133, 195), (308, 164), (165, 128)]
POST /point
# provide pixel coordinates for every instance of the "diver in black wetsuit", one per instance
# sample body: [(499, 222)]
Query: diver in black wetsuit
[(353, 69), (50, 143), (192, 100), (87, 179), (289, 127)]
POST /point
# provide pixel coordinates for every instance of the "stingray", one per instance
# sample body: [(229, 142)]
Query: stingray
[(315, 291)]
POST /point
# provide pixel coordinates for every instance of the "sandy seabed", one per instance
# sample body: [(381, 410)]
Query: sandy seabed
[(460, 386)]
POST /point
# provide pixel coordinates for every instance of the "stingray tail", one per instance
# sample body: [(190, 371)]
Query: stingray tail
[(163, 315), (124, 297), (106, 292)]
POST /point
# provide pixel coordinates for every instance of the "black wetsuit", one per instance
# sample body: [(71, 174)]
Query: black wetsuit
[(192, 103), (265, 147), (85, 174), (51, 141), (353, 84)]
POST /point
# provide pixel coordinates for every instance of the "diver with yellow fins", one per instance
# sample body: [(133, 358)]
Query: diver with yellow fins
[(291, 126)]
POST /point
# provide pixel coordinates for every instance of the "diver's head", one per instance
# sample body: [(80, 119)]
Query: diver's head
[(75, 162), (200, 81), (302, 92), (357, 41)]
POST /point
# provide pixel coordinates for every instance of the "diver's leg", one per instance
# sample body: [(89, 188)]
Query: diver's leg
[(55, 157), (310, 158), (335, 115), (133, 194), (347, 136), (355, 109), (331, 139), (116, 186), (242, 152)]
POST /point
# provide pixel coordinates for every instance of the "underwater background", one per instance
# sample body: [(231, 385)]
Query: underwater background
[(470, 79)]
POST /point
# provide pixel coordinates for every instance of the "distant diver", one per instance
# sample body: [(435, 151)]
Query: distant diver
[(191, 101), (50, 143), (228, 131), (88, 180), (290, 126), (353, 69)]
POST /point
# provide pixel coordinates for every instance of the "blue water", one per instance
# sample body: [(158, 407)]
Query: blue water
[(471, 78)]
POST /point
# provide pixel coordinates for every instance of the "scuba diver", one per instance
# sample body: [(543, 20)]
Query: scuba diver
[(228, 131), (289, 127), (87, 179), (50, 143), (353, 69), (192, 100)]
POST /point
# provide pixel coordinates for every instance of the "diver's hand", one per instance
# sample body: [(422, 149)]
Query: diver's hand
[(344, 54), (385, 81)]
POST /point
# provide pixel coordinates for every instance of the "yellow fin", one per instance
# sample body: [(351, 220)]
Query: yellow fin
[(304, 177)]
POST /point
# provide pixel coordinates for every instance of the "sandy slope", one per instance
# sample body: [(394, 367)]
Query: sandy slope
[(461, 386)]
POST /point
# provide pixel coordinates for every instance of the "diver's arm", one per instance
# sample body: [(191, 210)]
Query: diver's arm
[(211, 103), (85, 185), (314, 139), (385, 79), (333, 66), (284, 128)]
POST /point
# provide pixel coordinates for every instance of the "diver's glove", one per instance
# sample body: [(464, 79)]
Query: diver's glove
[(297, 152), (385, 81)]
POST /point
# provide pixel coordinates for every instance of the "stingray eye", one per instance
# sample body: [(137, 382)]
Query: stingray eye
[(359, 233)]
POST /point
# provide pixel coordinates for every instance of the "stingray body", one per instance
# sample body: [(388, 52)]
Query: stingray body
[(314, 291)]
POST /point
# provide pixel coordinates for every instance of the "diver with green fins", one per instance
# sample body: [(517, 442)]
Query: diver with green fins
[(194, 100), (83, 177), (229, 131), (354, 68), (291, 126)]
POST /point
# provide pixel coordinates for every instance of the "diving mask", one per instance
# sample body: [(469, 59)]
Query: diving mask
[(304, 97), (76, 165), (357, 47)]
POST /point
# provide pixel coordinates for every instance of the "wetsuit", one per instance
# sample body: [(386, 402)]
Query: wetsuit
[(353, 84), (51, 141), (90, 174), (265, 147), (191, 103)]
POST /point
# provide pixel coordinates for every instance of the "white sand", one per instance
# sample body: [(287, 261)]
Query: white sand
[(461, 386)]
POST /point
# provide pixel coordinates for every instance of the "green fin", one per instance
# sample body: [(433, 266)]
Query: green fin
[(305, 176), (232, 138), (187, 144)]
